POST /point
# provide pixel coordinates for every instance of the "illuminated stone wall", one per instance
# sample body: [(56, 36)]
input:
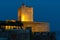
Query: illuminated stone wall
[(37, 26), (25, 13)]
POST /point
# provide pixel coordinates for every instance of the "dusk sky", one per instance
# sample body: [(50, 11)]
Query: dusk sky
[(44, 11)]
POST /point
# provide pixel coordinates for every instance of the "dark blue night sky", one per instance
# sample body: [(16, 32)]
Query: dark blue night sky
[(44, 11)]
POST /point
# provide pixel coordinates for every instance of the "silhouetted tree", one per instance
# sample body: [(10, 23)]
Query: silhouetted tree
[(19, 23)]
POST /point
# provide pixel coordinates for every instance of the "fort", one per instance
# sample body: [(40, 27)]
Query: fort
[(25, 28)]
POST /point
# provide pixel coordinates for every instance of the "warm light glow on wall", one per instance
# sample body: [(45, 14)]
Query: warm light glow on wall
[(10, 27), (7, 27), (24, 17)]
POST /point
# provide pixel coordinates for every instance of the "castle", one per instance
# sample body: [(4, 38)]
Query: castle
[(25, 14), (30, 30)]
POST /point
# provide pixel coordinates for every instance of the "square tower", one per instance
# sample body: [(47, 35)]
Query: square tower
[(25, 13)]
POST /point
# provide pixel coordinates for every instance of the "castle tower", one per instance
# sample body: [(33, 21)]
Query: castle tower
[(25, 13)]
